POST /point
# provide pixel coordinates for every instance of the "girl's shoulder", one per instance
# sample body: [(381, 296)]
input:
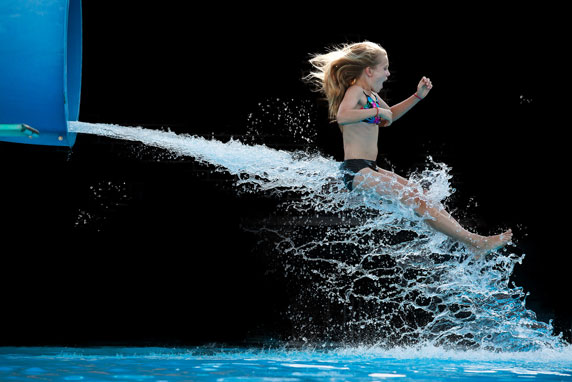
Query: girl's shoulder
[(355, 91), (355, 88)]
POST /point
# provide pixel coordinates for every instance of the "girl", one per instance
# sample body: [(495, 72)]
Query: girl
[(351, 77)]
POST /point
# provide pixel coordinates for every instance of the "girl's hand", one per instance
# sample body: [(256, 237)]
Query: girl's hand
[(386, 117), (384, 123), (424, 87)]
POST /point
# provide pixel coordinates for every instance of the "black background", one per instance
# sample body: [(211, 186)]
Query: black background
[(162, 258)]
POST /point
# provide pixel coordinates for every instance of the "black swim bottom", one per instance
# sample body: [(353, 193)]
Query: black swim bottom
[(351, 167)]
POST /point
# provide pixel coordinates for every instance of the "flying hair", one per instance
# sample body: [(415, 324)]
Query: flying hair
[(335, 71)]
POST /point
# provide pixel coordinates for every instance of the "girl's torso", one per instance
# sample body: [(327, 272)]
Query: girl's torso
[(360, 139)]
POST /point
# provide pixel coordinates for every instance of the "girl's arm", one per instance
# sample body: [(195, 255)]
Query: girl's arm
[(403, 107), (347, 112)]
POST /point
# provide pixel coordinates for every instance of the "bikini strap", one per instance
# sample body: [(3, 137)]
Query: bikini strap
[(370, 96)]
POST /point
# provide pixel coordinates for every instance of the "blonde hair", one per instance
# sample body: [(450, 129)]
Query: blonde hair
[(335, 71)]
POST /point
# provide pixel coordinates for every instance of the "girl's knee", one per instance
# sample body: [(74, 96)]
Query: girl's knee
[(417, 200)]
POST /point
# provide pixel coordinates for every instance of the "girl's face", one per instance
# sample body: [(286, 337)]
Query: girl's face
[(379, 74)]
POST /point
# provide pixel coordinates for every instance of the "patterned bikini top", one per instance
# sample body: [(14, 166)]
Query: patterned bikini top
[(371, 103)]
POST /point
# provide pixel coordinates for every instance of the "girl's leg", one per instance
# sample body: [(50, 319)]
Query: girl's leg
[(386, 183)]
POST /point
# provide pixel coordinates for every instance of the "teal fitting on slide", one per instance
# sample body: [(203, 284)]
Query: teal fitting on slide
[(18, 130), (40, 70)]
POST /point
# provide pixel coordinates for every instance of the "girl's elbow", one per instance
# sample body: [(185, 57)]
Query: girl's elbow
[(341, 118)]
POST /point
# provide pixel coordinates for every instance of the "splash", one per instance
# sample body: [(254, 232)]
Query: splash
[(368, 270)]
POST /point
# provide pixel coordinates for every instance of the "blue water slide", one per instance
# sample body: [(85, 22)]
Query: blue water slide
[(40, 70)]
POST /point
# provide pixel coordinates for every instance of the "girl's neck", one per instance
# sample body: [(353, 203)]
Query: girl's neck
[(364, 85)]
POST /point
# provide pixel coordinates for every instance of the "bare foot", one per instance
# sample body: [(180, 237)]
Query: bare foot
[(491, 243)]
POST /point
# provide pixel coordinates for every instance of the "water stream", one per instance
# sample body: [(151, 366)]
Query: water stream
[(372, 272)]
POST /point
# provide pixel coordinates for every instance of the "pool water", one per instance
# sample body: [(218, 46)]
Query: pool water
[(211, 363)]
